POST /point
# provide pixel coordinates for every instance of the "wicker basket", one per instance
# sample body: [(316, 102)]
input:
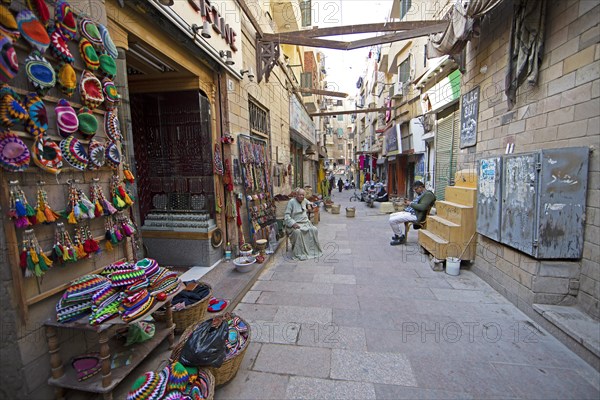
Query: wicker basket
[(189, 315), (227, 371), (211, 383)]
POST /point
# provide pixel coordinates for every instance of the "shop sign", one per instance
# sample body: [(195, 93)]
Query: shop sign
[(223, 16), (441, 94), (301, 122), (393, 140), (469, 111)]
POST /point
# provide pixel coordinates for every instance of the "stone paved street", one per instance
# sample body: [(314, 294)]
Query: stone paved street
[(372, 321)]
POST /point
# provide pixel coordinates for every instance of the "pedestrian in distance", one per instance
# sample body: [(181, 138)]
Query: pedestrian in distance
[(340, 185), (416, 210)]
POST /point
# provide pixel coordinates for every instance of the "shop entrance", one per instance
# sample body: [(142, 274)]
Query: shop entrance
[(173, 155)]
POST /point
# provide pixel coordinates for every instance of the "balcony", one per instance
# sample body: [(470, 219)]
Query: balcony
[(286, 15)]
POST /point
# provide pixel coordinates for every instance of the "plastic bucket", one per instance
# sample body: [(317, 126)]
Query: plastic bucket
[(350, 211), (335, 209), (453, 266)]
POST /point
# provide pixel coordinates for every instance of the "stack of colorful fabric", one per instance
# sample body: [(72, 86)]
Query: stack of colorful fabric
[(149, 265), (237, 337), (115, 267), (136, 305), (77, 302), (105, 305), (165, 281)]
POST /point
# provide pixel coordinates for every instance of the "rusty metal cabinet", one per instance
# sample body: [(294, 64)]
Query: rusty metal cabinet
[(543, 200)]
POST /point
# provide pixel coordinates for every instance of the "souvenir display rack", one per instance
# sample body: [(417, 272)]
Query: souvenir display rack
[(105, 381), (258, 188)]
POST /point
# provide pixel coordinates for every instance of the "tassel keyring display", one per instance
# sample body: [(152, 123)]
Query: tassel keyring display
[(102, 207), (33, 261), (44, 214), (20, 211), (120, 198), (63, 250)]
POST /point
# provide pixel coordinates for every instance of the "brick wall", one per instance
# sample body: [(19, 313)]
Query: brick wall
[(562, 110)]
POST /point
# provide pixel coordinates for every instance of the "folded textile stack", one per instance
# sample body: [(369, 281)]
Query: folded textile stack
[(136, 305), (105, 305), (149, 266), (115, 267), (237, 337), (165, 281)]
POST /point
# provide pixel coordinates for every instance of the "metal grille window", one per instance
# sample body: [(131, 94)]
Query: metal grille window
[(305, 9), (258, 119), (306, 81)]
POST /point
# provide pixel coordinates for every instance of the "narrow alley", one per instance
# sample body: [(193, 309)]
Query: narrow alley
[(369, 320)]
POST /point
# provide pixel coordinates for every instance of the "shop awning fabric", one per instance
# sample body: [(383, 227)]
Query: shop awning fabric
[(464, 24)]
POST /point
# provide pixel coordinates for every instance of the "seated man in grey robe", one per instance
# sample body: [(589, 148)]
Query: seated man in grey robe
[(302, 233)]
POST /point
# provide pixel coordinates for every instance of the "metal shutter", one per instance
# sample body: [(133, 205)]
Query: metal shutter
[(446, 151)]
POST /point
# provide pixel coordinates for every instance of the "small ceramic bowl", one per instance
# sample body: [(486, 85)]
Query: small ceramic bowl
[(244, 264)]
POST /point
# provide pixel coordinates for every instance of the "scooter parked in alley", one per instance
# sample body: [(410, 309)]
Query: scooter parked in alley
[(371, 196)]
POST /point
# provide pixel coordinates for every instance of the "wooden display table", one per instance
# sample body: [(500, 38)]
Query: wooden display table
[(105, 381)]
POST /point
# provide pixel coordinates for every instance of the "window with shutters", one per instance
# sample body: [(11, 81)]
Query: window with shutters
[(404, 71), (446, 152), (305, 9), (306, 81), (259, 119), (404, 7)]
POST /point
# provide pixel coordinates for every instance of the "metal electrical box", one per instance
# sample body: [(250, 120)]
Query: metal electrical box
[(542, 212)]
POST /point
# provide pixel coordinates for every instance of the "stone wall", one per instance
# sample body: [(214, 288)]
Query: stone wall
[(562, 110)]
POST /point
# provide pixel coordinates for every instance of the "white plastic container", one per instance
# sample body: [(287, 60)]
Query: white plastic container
[(453, 266)]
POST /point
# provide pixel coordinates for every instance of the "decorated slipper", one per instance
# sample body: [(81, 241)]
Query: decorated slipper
[(33, 31), (67, 80), (86, 365), (109, 45), (216, 305), (64, 19), (40, 73), (9, 64), (8, 24), (47, 155), (66, 118)]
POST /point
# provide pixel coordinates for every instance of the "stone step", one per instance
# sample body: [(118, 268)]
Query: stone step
[(444, 228), (454, 212), (434, 244), (574, 322), (461, 195)]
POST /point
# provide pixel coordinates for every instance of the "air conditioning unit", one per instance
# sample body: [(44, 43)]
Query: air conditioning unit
[(398, 90)]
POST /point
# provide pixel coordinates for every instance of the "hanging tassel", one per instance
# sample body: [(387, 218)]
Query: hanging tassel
[(118, 202), (127, 230), (108, 246), (22, 222), (30, 266), (58, 251), (66, 256), (128, 176), (118, 234), (32, 220), (47, 261), (121, 191), (80, 252), (113, 238), (20, 208), (23, 259), (95, 246), (30, 210), (86, 247), (108, 208), (107, 235), (43, 265), (82, 207), (34, 256), (127, 199), (71, 218), (51, 215), (40, 216), (77, 211), (98, 210)]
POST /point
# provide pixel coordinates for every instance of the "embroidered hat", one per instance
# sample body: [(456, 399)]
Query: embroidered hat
[(149, 265), (179, 377), (126, 277), (40, 72), (100, 296), (88, 54), (47, 155), (109, 45), (108, 66), (84, 288), (89, 30), (86, 365), (143, 386), (64, 18), (9, 64), (88, 124), (66, 118), (136, 287), (33, 31), (106, 311), (14, 154), (161, 388), (59, 47), (111, 96), (111, 125), (67, 312), (114, 267), (67, 80), (90, 89), (38, 117), (131, 310), (40, 9), (74, 152), (8, 24), (12, 111), (96, 152), (174, 395)]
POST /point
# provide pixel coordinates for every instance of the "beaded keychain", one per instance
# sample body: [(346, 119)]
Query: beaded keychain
[(20, 210), (79, 206), (32, 259), (126, 225), (78, 244), (113, 234), (101, 205), (44, 213), (63, 250), (90, 245), (120, 197)]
